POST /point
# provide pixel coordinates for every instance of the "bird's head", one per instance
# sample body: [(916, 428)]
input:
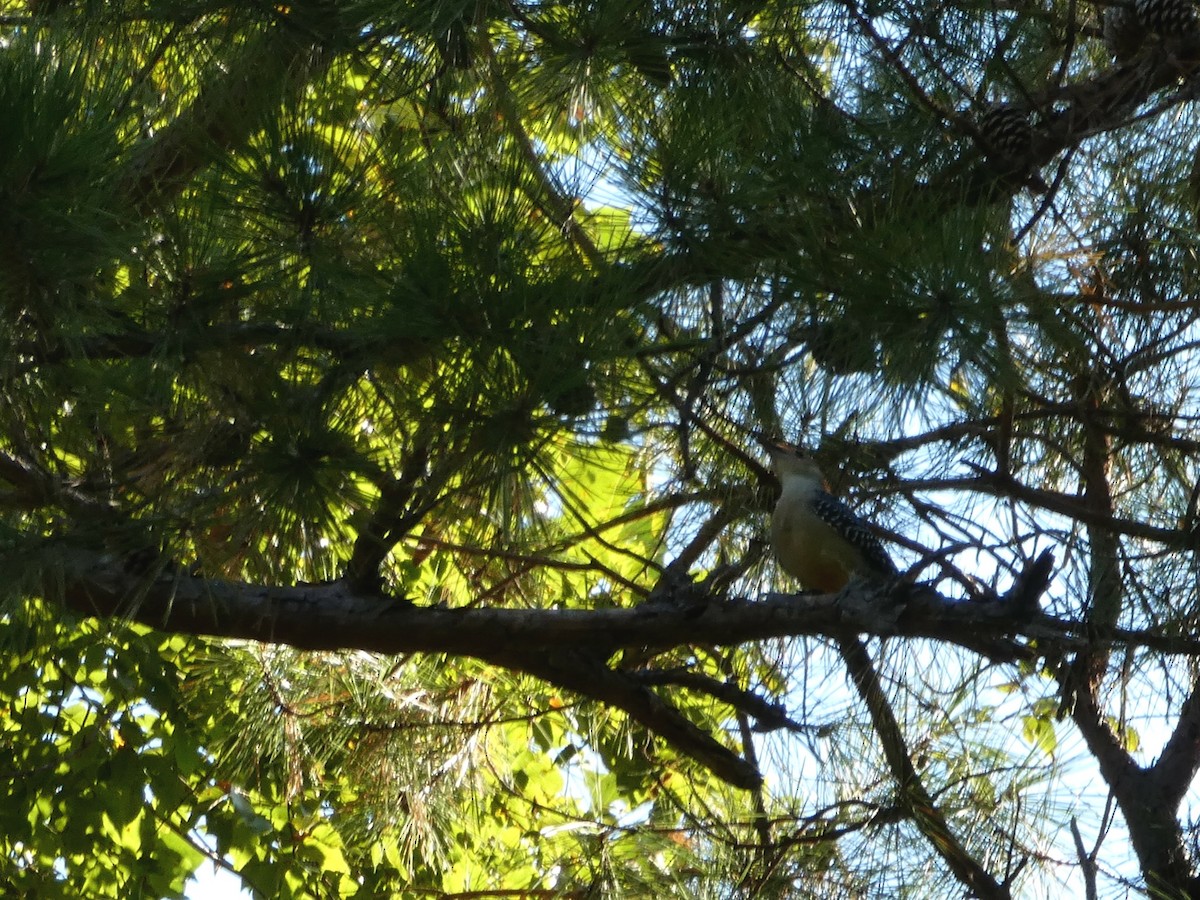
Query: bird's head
[(790, 460)]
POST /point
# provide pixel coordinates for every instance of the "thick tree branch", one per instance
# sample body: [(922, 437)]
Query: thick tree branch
[(395, 514), (1092, 106), (230, 104), (1180, 759), (333, 616), (1147, 803), (566, 647)]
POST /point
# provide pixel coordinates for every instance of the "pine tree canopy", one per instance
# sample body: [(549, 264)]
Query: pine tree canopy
[(381, 506)]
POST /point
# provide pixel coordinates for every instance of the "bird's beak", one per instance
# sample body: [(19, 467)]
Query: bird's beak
[(773, 444)]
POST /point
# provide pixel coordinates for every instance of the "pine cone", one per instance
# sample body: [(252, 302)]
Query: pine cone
[(1007, 138), (1006, 133), (1123, 33), (1166, 17)]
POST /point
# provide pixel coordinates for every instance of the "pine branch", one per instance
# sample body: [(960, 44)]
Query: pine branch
[(581, 671), (230, 105)]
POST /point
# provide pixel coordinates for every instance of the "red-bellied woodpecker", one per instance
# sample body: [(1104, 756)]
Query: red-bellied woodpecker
[(816, 537)]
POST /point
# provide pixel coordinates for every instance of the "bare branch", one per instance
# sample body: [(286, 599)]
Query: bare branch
[(770, 715), (913, 795), (1086, 862), (1180, 759)]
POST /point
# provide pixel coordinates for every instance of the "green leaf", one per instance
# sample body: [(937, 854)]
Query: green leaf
[(1039, 731)]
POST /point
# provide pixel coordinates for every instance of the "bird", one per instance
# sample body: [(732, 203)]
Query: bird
[(816, 538)]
